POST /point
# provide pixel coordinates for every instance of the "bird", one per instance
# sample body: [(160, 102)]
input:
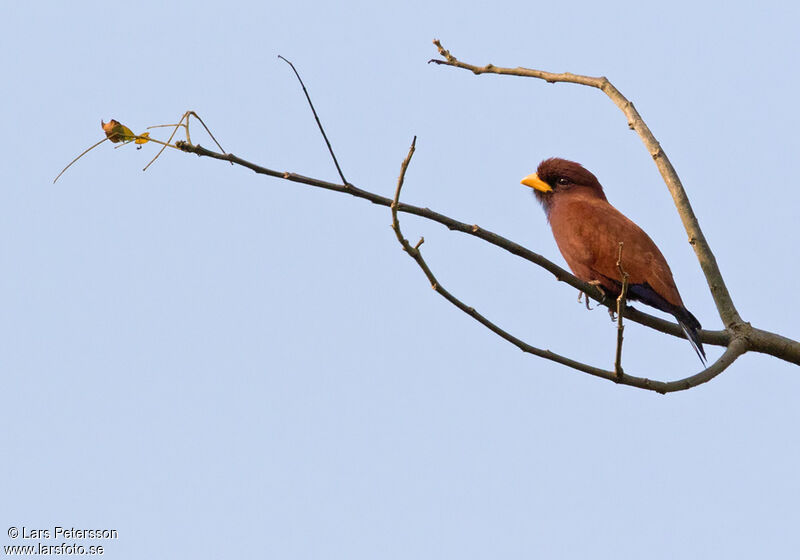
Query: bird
[(588, 231)]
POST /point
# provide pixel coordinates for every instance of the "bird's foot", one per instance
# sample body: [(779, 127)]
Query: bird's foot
[(596, 284), (581, 295)]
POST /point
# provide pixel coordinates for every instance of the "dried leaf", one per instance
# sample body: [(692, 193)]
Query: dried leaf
[(117, 132)]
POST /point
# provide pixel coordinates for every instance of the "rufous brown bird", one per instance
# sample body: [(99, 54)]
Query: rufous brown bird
[(588, 231)]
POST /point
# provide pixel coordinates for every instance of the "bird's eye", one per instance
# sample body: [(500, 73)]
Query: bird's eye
[(562, 181)]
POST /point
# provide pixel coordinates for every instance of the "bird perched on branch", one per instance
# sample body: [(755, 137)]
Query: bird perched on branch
[(588, 231)]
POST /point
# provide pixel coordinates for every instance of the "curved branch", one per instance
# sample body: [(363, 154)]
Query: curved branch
[(708, 263)]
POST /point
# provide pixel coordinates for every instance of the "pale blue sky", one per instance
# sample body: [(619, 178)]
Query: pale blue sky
[(221, 365)]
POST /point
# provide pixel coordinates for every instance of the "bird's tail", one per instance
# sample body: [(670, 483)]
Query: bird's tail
[(687, 321), (690, 326)]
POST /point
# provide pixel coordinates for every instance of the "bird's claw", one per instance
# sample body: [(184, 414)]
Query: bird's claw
[(596, 284), (581, 295)]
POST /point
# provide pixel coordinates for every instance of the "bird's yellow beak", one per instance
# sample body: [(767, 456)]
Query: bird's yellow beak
[(534, 182)]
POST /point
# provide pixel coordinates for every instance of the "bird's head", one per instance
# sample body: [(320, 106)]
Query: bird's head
[(556, 176)]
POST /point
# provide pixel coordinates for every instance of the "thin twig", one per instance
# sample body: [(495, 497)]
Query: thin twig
[(719, 291), (171, 136), (623, 294), (395, 202), (195, 115), (186, 116), (84, 152), (319, 124)]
